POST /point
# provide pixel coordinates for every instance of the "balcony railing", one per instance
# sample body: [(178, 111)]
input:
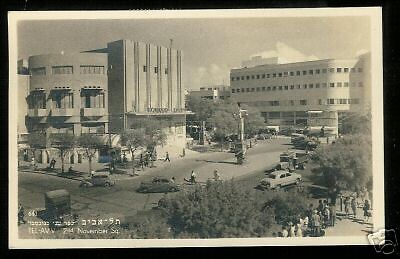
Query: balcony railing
[(37, 112), (62, 112), (89, 112)]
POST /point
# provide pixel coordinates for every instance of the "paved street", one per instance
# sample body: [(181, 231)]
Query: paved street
[(122, 199)]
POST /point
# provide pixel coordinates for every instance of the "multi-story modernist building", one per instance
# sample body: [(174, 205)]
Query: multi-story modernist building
[(68, 93), (311, 93), (216, 92), (145, 81)]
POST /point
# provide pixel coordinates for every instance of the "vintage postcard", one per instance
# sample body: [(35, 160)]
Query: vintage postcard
[(196, 128)]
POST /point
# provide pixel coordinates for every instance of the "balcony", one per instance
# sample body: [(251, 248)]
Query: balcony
[(37, 112), (93, 112), (62, 112)]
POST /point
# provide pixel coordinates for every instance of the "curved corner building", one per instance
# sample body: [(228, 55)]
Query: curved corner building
[(68, 93), (311, 93)]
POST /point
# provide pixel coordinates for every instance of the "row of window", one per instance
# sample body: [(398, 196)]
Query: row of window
[(64, 100), (155, 70), (307, 102), (298, 86), (299, 73), (61, 70)]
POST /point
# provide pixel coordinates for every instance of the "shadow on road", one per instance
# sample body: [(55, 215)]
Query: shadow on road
[(216, 162)]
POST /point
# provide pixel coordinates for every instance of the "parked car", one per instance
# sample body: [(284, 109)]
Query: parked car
[(158, 185), (278, 179), (101, 178)]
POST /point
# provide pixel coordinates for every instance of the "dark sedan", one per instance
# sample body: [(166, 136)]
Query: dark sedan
[(158, 185)]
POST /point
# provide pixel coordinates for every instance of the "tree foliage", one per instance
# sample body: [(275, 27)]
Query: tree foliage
[(253, 121), (355, 123), (203, 108), (65, 143), (91, 144), (215, 211), (36, 140)]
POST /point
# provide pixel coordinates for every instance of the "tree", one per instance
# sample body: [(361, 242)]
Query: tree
[(90, 144), (203, 108), (355, 123), (215, 211), (133, 139), (345, 165), (253, 121), (65, 143), (224, 123), (36, 140)]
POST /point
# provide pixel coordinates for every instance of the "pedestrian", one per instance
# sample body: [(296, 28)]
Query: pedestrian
[(354, 207), (217, 177), (310, 210), (327, 216), (367, 210), (320, 207), (332, 212), (347, 206), (141, 162), (316, 222), (292, 231), (167, 157), (193, 177), (183, 152), (299, 230), (21, 214), (285, 233), (53, 161), (33, 163), (172, 180)]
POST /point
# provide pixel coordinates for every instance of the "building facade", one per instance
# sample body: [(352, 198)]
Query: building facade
[(68, 93), (312, 93), (216, 92), (145, 81)]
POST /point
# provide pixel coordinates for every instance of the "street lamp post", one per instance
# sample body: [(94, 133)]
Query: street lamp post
[(241, 152)]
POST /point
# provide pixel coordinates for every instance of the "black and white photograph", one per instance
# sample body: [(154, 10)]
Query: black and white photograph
[(196, 128)]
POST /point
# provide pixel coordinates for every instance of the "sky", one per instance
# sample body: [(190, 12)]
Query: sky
[(211, 46)]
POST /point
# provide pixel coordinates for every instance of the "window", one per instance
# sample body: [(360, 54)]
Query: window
[(323, 85), (286, 87), (233, 79), (305, 86), (360, 84), (324, 71), (263, 76), (310, 86), (144, 68), (339, 84), (360, 70), (297, 73), (268, 88), (92, 70), (280, 74), (37, 100), (317, 85), (247, 90), (92, 99), (298, 86), (310, 72), (156, 71), (346, 84), (319, 101), (242, 90), (339, 70), (166, 71), (346, 70), (280, 87), (237, 78), (291, 73), (252, 89), (332, 84), (267, 75), (274, 75), (291, 102), (285, 73), (331, 101), (263, 88), (292, 87), (342, 101), (317, 71), (332, 70), (59, 70), (258, 76), (273, 88), (303, 102), (38, 71), (62, 99), (353, 70), (233, 90), (209, 88), (258, 89), (252, 76), (304, 72), (247, 77)]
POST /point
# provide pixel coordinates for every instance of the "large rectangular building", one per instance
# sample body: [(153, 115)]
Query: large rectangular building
[(311, 93)]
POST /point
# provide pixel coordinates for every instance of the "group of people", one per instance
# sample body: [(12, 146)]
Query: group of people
[(147, 160), (351, 202), (216, 176)]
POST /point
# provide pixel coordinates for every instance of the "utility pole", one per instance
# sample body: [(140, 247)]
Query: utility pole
[(203, 133), (241, 150)]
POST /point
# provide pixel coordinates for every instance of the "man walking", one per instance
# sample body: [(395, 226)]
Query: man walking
[(167, 157), (21, 214)]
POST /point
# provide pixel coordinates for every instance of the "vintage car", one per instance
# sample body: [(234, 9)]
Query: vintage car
[(158, 185), (278, 179), (99, 178)]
